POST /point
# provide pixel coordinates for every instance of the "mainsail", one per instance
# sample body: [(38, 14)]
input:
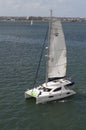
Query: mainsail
[(57, 59)]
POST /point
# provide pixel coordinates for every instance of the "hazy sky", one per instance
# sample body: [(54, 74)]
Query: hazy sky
[(61, 8)]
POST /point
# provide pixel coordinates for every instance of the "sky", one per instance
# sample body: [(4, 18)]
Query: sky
[(61, 8)]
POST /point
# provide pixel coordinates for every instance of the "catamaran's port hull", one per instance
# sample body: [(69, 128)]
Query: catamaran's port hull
[(27, 96)]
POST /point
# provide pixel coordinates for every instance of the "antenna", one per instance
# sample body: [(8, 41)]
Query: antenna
[(51, 13)]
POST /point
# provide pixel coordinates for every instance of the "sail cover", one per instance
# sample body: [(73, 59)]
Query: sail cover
[(57, 52)]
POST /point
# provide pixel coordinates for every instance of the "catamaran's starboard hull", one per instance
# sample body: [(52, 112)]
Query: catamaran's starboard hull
[(57, 97)]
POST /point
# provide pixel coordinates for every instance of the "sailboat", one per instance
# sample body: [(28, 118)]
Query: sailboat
[(56, 85), (31, 23)]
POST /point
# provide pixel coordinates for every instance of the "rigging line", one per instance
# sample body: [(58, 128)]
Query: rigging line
[(40, 58)]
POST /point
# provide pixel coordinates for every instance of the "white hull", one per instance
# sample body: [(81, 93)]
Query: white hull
[(53, 91), (52, 97)]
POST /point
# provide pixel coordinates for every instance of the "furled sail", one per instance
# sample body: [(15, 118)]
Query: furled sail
[(57, 52)]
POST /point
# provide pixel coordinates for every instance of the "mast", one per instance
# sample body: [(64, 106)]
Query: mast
[(50, 22)]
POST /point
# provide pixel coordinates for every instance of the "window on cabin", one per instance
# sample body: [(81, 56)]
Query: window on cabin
[(57, 89)]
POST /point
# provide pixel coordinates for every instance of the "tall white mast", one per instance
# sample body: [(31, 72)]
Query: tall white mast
[(50, 22)]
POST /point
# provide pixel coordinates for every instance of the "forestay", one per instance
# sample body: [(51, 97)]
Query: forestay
[(57, 52)]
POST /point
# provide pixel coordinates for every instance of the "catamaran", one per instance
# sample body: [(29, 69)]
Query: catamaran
[(56, 85)]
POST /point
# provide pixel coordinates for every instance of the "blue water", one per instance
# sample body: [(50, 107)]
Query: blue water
[(20, 46)]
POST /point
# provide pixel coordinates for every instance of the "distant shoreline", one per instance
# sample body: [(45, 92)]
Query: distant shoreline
[(45, 19)]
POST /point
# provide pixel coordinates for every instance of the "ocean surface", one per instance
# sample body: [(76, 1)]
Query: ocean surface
[(20, 48)]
